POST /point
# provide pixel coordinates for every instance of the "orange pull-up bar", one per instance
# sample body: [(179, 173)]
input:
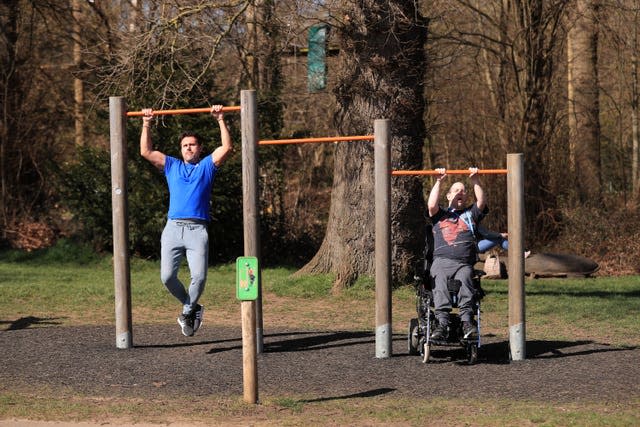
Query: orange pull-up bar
[(312, 140), (182, 111), (450, 172)]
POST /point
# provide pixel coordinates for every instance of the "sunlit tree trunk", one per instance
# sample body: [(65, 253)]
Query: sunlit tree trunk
[(78, 85), (537, 40), (584, 123), (382, 50), (635, 174)]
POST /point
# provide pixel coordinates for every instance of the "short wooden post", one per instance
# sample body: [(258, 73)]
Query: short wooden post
[(120, 217), (249, 360), (515, 200), (251, 336), (382, 167)]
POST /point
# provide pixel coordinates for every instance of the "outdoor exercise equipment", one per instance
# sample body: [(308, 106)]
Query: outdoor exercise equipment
[(450, 172), (316, 140), (383, 174), (515, 219), (122, 279), (182, 111), (247, 290)]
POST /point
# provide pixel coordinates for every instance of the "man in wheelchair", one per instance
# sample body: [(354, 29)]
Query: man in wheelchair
[(455, 252)]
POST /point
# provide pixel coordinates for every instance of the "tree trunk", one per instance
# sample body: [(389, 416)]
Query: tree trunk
[(584, 132), (382, 50), (535, 54), (9, 98), (78, 85), (635, 174)]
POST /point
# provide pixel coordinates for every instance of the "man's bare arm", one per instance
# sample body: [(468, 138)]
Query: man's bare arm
[(477, 189), (434, 195), (156, 158), (221, 153)]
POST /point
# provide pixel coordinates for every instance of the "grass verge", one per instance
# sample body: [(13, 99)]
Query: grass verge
[(40, 290), (299, 410)]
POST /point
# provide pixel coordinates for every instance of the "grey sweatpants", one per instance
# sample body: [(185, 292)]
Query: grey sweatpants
[(184, 238), (441, 270)]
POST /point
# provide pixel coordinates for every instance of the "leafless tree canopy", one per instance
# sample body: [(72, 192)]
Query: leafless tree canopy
[(464, 82)]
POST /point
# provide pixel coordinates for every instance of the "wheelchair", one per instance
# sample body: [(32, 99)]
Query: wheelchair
[(420, 328)]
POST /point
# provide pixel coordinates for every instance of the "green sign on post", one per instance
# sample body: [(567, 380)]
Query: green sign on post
[(247, 278)]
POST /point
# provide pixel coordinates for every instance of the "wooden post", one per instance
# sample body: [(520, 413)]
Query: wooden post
[(251, 310), (382, 160), (515, 201), (120, 216), (249, 361)]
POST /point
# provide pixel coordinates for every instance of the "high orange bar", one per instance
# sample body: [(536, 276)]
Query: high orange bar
[(312, 140), (450, 172), (182, 111)]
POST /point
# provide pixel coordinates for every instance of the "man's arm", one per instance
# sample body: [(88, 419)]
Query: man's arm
[(221, 153), (477, 189), (434, 195), (156, 158)]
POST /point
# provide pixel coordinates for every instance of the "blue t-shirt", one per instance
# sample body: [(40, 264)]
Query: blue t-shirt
[(189, 187), (454, 233)]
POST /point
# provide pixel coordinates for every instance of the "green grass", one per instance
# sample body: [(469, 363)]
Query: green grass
[(52, 285), (60, 285), (298, 410), (603, 309)]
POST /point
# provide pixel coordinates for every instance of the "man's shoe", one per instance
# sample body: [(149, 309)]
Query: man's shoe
[(440, 333), (198, 314), (469, 331), (186, 323)]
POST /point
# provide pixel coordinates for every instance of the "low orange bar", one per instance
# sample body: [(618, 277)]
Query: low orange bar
[(314, 140), (182, 111), (450, 172)]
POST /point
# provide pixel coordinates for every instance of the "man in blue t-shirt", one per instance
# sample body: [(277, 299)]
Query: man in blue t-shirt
[(455, 251), (190, 181)]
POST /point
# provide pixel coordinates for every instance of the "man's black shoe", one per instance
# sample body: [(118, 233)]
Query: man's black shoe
[(440, 333), (469, 331)]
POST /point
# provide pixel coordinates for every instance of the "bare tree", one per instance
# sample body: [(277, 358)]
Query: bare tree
[(33, 113), (635, 98), (507, 55), (78, 84), (173, 51), (583, 94), (382, 56)]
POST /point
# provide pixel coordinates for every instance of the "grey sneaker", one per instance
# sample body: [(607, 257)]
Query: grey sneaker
[(197, 315), (469, 331), (186, 323)]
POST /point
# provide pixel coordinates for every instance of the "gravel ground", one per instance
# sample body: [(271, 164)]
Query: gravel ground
[(318, 365)]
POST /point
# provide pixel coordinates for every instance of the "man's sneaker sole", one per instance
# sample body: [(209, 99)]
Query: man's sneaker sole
[(187, 330)]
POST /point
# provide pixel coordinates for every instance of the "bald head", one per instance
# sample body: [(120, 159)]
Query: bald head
[(457, 195)]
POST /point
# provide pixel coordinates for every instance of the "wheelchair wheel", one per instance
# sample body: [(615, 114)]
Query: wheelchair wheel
[(413, 338), (426, 352)]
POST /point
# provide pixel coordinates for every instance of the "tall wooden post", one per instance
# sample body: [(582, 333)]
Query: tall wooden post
[(251, 310), (382, 167), (515, 201), (120, 216)]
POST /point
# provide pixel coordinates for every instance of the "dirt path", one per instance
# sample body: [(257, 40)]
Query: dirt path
[(322, 365)]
